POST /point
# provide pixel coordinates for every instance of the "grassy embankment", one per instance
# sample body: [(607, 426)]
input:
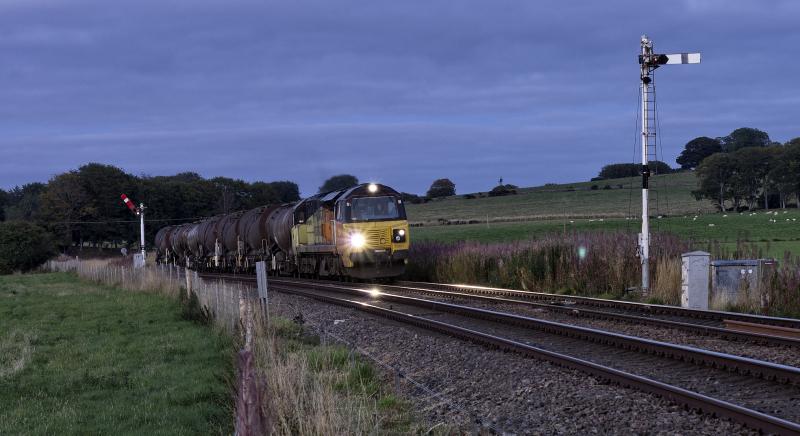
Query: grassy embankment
[(77, 357), (552, 209), (112, 350), (317, 388)]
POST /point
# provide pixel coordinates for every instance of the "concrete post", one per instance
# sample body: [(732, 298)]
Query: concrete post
[(188, 280), (694, 280), (263, 298)]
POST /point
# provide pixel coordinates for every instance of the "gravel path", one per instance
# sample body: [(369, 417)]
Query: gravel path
[(508, 392)]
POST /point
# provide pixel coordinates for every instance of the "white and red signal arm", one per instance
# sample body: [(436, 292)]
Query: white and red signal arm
[(129, 203)]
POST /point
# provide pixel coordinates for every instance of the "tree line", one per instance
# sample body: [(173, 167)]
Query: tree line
[(767, 176), (744, 169), (83, 206)]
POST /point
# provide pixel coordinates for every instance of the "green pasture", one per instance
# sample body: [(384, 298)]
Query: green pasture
[(775, 232), (617, 198), (79, 358)]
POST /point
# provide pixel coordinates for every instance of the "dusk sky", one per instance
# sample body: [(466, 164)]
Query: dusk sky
[(399, 92)]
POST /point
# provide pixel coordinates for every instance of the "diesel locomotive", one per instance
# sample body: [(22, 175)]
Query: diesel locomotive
[(360, 232)]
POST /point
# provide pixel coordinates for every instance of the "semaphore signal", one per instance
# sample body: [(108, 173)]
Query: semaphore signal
[(138, 211), (648, 62)]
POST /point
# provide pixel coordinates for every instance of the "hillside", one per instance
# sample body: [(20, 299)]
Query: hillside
[(670, 195)]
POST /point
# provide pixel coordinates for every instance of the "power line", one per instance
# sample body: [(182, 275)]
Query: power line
[(129, 221)]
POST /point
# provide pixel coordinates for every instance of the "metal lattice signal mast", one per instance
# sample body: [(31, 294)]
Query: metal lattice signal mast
[(649, 61)]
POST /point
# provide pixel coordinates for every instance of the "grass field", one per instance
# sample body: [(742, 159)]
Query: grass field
[(775, 233), (671, 195), (576, 207), (80, 358)]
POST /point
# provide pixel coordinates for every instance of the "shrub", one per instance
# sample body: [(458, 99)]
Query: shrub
[(411, 198), (595, 187), (23, 246), (501, 190), (621, 170), (193, 310)]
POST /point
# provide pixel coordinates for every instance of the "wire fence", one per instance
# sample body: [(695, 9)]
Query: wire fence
[(236, 309)]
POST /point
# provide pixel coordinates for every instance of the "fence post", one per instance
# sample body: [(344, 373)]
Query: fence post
[(188, 280), (263, 298)]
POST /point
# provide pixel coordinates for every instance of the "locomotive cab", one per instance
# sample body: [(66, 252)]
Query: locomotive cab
[(372, 235)]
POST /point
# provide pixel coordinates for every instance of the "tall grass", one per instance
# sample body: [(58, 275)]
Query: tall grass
[(120, 273), (586, 263), (319, 389), (599, 264), (666, 287)]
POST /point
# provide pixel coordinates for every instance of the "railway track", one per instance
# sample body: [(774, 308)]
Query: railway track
[(727, 325), (699, 317), (758, 394)]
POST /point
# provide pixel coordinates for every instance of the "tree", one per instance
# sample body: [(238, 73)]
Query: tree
[(103, 185), (698, 149), (788, 163), (745, 137), (63, 202), (232, 194), (3, 201), (781, 178), (23, 202), (442, 188), (752, 168), (23, 246), (714, 178), (287, 191), (335, 183)]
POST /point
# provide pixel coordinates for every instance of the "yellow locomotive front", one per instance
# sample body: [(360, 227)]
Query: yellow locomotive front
[(372, 237)]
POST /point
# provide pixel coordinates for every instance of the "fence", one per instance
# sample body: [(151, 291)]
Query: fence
[(236, 309)]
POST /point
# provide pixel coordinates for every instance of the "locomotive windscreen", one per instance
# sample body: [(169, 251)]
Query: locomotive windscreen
[(375, 208)]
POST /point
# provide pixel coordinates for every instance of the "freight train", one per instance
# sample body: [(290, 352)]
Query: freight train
[(360, 232)]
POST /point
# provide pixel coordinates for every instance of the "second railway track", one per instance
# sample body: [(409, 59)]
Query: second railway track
[(727, 325), (759, 394), (712, 318)]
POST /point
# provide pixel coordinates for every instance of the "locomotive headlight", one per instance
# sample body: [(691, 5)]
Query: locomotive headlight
[(357, 240), (372, 188), (399, 235)]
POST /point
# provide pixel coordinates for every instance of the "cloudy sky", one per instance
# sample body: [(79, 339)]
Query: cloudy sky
[(400, 92)]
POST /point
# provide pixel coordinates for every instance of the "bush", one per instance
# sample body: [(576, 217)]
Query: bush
[(622, 170), (23, 246), (501, 190), (193, 310), (411, 198)]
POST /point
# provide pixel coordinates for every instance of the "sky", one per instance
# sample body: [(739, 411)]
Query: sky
[(397, 92)]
